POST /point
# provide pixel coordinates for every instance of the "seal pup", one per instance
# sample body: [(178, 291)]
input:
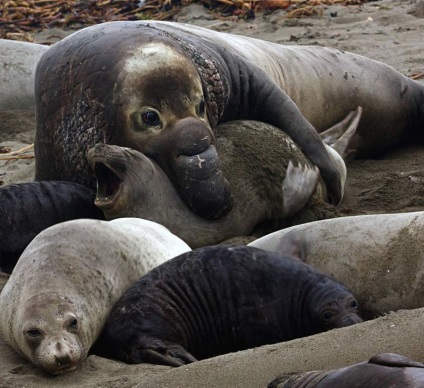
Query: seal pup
[(271, 181), (379, 257), (17, 73), (381, 371), (29, 208), (64, 285), (220, 299), (170, 78)]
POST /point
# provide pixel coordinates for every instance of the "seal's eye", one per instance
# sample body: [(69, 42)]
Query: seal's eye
[(73, 324), (34, 333), (327, 316), (202, 107), (354, 304), (150, 118)]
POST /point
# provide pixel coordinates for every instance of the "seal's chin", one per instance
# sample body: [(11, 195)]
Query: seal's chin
[(59, 371), (109, 185)]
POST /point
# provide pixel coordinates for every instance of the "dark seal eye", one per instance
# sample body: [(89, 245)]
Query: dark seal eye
[(73, 324), (150, 118), (354, 304), (327, 316), (34, 333)]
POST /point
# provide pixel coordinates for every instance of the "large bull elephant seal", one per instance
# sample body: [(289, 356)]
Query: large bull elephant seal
[(17, 73), (139, 84), (220, 299), (272, 183), (381, 371), (64, 285), (379, 257)]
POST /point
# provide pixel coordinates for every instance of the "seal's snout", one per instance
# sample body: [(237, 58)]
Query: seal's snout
[(62, 360), (351, 319)]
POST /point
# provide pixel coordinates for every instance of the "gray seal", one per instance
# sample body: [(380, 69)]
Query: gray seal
[(379, 256), (64, 285), (273, 184)]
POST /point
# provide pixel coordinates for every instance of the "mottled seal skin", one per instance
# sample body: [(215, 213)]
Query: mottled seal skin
[(271, 179), (221, 299), (266, 186), (381, 371), (140, 84), (29, 208), (17, 73), (379, 257), (65, 283)]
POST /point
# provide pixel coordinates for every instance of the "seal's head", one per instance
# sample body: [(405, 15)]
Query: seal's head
[(161, 112), (50, 333), (334, 305)]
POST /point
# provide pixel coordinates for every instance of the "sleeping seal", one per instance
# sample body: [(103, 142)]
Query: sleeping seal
[(271, 180), (140, 84), (379, 257), (64, 285), (221, 299)]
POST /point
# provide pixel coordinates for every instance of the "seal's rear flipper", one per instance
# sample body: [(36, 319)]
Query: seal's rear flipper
[(340, 135), (158, 352), (298, 185)]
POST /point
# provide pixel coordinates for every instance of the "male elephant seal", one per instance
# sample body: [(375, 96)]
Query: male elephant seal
[(141, 84), (379, 257), (64, 285), (381, 371), (29, 208), (221, 299), (271, 179)]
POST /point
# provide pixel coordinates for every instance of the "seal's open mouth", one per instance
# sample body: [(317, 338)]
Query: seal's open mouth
[(108, 185)]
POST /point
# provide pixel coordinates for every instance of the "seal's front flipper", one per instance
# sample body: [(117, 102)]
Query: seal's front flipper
[(157, 352), (395, 360), (298, 185), (339, 136)]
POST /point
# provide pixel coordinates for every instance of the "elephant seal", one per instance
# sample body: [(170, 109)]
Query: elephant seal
[(220, 299), (64, 285), (140, 84), (381, 371), (272, 183), (29, 208), (17, 73), (379, 257)]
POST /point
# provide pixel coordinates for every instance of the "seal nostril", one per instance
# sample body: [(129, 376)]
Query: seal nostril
[(63, 360)]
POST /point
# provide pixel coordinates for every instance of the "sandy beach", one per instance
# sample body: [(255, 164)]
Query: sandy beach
[(387, 30)]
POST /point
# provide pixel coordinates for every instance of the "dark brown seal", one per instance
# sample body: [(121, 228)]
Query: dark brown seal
[(139, 84), (221, 299), (381, 371)]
